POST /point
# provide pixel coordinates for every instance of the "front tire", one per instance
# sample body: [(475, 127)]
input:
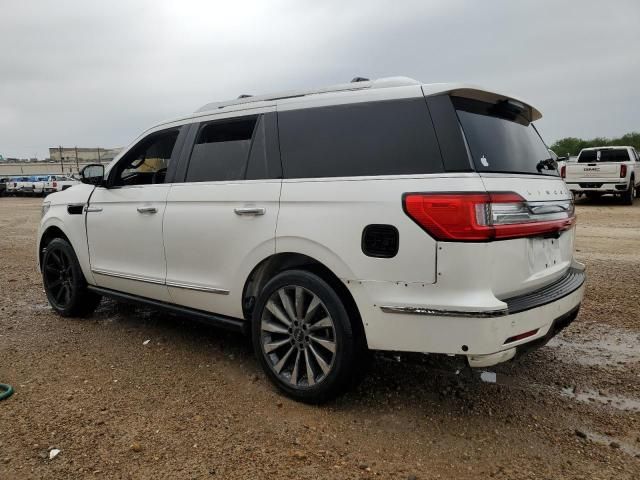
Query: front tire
[(64, 283), (303, 338)]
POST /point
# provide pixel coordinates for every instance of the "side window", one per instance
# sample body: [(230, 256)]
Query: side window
[(148, 161), (221, 150), (375, 138)]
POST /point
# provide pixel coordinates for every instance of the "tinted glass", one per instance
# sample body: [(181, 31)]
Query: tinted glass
[(604, 155), (148, 161), (501, 140), (376, 138), (221, 151)]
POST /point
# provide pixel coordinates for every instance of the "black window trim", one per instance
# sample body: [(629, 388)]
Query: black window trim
[(197, 127), (174, 159)]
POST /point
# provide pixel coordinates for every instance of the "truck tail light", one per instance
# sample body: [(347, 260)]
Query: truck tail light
[(563, 171), (623, 170), (55, 184), (483, 217)]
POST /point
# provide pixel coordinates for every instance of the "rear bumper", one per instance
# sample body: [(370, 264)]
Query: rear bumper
[(487, 338), (599, 187)]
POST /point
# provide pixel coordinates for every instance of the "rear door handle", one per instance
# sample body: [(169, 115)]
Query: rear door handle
[(250, 211), (147, 210), (92, 209)]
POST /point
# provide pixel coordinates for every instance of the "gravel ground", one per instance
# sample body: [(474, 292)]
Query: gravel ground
[(193, 403)]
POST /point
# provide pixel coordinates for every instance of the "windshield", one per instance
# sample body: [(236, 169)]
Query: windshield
[(604, 155), (501, 140)]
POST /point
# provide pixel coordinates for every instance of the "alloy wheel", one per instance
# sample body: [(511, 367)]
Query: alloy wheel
[(298, 337), (58, 277)]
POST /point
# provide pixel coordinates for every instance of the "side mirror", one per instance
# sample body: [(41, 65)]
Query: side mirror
[(93, 174)]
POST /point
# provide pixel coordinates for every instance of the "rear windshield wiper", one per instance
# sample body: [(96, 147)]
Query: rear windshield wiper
[(549, 164)]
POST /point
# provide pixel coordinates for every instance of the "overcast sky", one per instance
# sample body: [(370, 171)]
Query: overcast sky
[(98, 73)]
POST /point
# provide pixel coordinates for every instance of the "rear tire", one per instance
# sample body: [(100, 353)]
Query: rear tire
[(303, 338), (630, 194), (64, 283)]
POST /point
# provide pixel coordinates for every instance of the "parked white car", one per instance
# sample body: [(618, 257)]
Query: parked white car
[(58, 183), (376, 215), (605, 170)]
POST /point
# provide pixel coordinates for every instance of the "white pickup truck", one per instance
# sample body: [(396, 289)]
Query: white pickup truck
[(605, 170), (58, 183)]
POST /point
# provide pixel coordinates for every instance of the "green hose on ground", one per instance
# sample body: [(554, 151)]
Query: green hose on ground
[(5, 391)]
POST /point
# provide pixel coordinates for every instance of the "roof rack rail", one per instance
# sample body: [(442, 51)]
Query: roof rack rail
[(358, 83)]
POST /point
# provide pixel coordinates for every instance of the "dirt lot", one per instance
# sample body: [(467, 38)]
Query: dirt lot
[(192, 403)]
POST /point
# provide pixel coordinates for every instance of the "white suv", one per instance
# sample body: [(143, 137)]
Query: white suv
[(375, 215)]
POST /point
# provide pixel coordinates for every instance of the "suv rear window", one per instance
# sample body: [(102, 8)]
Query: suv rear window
[(604, 155), (500, 139), (362, 139)]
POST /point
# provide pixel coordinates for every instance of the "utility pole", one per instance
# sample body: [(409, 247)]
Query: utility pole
[(99, 155), (77, 164), (61, 162)]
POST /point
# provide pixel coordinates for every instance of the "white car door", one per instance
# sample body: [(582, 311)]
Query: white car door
[(220, 222), (124, 218)]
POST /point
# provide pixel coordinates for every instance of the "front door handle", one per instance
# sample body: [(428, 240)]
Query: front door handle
[(250, 211), (147, 210), (92, 209)]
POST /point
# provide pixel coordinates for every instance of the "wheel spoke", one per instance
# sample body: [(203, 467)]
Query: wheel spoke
[(315, 302), (323, 365), (299, 303), (286, 303), (58, 295), (278, 366), (52, 269), (270, 347), (310, 375), (273, 328), (67, 295), (328, 344), (279, 314), (296, 372), (323, 323), (56, 258), (55, 283)]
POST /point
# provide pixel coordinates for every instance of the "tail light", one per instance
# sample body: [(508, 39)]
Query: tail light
[(623, 170), (55, 184), (483, 217), (563, 171)]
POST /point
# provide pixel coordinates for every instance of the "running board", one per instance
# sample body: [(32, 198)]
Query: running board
[(207, 318)]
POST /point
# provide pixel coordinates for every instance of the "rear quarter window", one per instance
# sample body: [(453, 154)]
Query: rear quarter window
[(362, 139), (501, 140)]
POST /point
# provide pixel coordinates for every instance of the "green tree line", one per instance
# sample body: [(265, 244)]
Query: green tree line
[(572, 145)]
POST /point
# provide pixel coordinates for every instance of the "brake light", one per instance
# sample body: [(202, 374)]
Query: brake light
[(623, 170), (483, 217), (55, 184), (563, 171)]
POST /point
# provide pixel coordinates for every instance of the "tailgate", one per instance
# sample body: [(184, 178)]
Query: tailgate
[(579, 171)]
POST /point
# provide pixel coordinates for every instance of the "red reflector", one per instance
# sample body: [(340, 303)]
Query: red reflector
[(515, 338), (563, 171), (482, 217), (623, 170)]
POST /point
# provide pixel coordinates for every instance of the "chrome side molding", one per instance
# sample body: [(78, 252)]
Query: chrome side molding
[(199, 288)]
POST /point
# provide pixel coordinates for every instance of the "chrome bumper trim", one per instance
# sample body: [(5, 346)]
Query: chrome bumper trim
[(444, 313)]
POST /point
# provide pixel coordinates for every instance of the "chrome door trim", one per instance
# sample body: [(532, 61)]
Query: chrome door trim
[(127, 276), (198, 288)]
